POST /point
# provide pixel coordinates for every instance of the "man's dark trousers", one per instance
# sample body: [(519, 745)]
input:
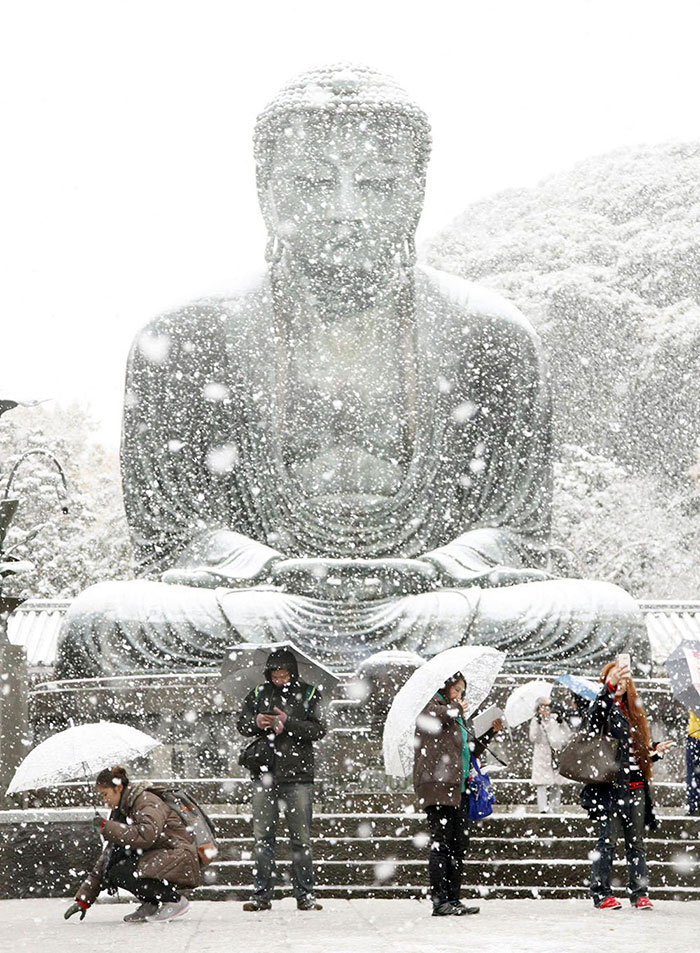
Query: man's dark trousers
[(296, 800)]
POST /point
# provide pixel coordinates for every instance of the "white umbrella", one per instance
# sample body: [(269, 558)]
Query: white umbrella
[(522, 703), (478, 664), (81, 751), (244, 667)]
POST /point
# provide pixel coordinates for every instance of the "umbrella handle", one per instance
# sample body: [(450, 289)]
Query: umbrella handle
[(87, 782), (492, 753)]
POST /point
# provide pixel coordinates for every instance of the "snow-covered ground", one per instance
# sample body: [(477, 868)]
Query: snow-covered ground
[(357, 926)]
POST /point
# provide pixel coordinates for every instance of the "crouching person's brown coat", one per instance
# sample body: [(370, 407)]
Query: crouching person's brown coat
[(155, 829)]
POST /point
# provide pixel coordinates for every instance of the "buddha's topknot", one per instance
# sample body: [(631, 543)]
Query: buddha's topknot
[(341, 90)]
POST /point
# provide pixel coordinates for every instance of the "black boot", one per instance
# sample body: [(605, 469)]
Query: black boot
[(461, 911), (255, 905), (444, 909)]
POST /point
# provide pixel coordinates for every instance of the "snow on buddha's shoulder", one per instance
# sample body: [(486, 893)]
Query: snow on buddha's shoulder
[(476, 299), (208, 309)]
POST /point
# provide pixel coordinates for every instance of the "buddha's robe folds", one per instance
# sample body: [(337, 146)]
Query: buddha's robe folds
[(234, 459)]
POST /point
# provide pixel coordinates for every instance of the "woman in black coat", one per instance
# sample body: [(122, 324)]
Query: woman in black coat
[(625, 806)]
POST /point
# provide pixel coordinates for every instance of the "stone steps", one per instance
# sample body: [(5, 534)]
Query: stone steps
[(420, 891), (236, 790), (556, 872), (502, 825), (44, 853), (487, 848)]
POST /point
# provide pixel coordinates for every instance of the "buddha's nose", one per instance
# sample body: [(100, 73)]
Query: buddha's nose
[(346, 204)]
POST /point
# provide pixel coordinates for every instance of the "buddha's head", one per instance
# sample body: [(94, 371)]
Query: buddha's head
[(341, 156)]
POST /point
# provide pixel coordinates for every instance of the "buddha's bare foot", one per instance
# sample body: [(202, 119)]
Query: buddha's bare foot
[(199, 578), (493, 577)]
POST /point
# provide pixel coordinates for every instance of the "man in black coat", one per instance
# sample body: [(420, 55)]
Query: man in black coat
[(283, 717)]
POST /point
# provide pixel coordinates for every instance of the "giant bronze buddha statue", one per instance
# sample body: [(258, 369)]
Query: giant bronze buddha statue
[(355, 452)]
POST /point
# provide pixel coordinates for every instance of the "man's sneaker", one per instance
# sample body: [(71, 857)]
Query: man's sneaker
[(444, 910), (644, 903), (141, 913), (461, 911), (610, 903), (170, 911), (309, 903), (255, 905)]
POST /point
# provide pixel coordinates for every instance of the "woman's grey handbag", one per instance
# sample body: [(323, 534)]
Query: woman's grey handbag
[(590, 759)]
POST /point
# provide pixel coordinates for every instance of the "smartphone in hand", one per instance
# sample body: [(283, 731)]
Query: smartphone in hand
[(624, 662)]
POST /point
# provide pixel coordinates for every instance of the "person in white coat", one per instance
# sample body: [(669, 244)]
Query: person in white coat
[(548, 734)]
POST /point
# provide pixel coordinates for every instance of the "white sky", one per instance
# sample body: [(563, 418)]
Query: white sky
[(125, 159)]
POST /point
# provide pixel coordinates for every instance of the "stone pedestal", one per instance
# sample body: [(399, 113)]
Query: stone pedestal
[(14, 725)]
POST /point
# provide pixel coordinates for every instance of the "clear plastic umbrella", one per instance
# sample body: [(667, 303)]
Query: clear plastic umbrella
[(522, 703), (80, 752), (683, 666), (478, 664)]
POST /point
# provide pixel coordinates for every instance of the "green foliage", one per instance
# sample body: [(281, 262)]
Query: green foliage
[(90, 543)]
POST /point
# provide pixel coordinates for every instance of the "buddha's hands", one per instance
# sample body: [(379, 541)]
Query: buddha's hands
[(488, 557), (358, 580), (199, 579)]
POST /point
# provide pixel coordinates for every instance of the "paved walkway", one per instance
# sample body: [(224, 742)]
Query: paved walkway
[(357, 926)]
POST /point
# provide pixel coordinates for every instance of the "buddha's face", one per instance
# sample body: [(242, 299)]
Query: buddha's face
[(343, 194)]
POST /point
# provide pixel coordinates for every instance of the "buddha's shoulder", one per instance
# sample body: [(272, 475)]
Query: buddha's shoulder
[(466, 299), (211, 315)]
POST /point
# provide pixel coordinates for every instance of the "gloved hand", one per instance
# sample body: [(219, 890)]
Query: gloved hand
[(98, 823), (78, 907)]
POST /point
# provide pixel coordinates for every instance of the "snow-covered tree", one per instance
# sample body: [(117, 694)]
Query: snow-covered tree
[(605, 261), (89, 543), (619, 527)]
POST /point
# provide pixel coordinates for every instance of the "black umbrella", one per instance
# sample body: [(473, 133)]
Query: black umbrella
[(683, 665), (244, 668)]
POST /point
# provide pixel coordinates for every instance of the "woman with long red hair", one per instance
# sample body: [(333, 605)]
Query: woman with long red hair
[(625, 806)]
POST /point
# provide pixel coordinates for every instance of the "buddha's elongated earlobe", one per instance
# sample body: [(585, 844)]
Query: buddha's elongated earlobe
[(407, 253), (273, 250)]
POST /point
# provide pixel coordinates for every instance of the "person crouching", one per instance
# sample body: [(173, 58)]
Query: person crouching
[(150, 856)]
